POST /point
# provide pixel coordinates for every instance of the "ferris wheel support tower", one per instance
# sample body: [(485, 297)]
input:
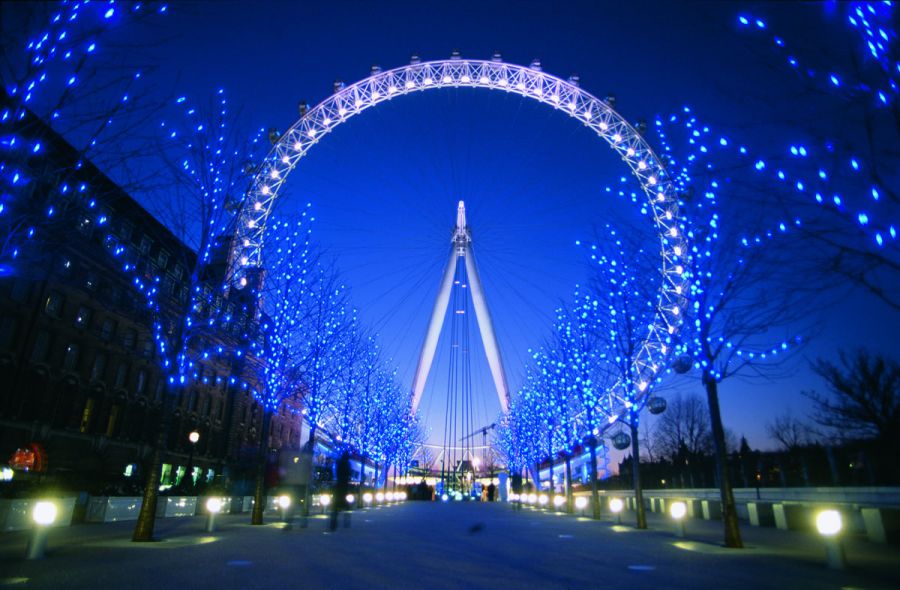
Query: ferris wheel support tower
[(461, 248)]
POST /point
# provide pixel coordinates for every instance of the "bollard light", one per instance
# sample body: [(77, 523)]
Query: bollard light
[(401, 496), (284, 502), (829, 525), (389, 496), (444, 497), (514, 497), (367, 498), (213, 507), (543, 500), (44, 515), (350, 498), (677, 510), (532, 498), (615, 506), (581, 503), (828, 522), (379, 497), (324, 500), (558, 501)]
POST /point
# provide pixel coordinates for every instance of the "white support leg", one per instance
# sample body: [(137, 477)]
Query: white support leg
[(434, 330), (486, 327)]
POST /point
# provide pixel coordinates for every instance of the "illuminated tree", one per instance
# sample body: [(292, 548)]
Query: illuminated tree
[(839, 170), (287, 261)]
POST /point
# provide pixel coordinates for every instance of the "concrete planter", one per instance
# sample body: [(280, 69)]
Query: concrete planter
[(791, 517), (15, 515), (712, 509), (113, 509), (761, 513), (180, 506), (882, 524)]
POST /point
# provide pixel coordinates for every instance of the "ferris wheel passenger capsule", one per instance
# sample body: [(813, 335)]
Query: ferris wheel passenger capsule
[(497, 57), (535, 65)]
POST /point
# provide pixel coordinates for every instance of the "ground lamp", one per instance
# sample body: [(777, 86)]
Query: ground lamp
[(44, 515), (615, 506), (350, 499), (367, 499), (543, 500), (379, 497), (213, 507), (678, 510), (558, 502), (829, 525), (444, 497), (284, 502), (532, 498), (389, 496), (324, 501), (580, 504)]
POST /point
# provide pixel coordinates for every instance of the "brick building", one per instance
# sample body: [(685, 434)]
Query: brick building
[(80, 379)]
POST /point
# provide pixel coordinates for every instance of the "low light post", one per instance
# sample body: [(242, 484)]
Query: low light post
[(284, 502), (829, 525), (213, 507), (558, 502), (580, 504), (678, 510), (324, 501), (193, 437), (44, 515), (615, 506)]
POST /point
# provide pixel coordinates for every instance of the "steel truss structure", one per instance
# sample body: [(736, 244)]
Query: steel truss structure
[(530, 82)]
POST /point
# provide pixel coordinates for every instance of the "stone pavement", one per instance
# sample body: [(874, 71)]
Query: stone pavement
[(434, 546)]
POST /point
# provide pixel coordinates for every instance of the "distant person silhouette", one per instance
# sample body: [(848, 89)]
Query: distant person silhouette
[(341, 489)]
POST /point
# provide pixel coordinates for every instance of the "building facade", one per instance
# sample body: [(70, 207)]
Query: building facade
[(80, 379)]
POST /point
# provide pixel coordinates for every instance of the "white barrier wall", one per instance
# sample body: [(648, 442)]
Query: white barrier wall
[(15, 515)]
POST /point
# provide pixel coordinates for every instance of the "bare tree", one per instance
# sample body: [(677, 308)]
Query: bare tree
[(790, 432), (684, 427), (864, 397)]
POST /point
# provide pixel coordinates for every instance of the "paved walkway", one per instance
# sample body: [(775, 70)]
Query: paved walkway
[(434, 546)]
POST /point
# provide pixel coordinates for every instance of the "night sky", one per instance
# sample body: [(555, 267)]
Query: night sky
[(384, 186)]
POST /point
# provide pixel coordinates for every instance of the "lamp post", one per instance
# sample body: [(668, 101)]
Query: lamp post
[(829, 525), (678, 510), (44, 515), (193, 437), (213, 507), (615, 506)]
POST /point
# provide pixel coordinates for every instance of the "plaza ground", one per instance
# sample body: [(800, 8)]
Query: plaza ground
[(424, 545)]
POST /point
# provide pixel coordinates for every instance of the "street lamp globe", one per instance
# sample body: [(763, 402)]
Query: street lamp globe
[(194, 436)]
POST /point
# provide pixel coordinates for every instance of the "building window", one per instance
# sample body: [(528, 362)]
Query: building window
[(178, 272), (129, 339), (7, 332), (70, 360), (222, 410), (66, 266), (141, 385), (85, 227), (83, 317), (20, 290), (192, 401), (86, 415), (90, 281), (121, 376), (148, 349), (146, 244), (160, 389), (205, 407), (98, 367), (125, 232), (107, 330), (41, 347), (54, 304), (162, 259)]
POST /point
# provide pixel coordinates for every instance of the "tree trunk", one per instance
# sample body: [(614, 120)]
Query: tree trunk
[(595, 495), (307, 494), (729, 511), (143, 529), (640, 513), (570, 506), (262, 456)]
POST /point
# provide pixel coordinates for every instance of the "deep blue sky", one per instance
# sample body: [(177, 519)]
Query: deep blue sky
[(384, 186)]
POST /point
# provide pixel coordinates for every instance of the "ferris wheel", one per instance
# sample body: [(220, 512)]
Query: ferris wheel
[(495, 75)]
